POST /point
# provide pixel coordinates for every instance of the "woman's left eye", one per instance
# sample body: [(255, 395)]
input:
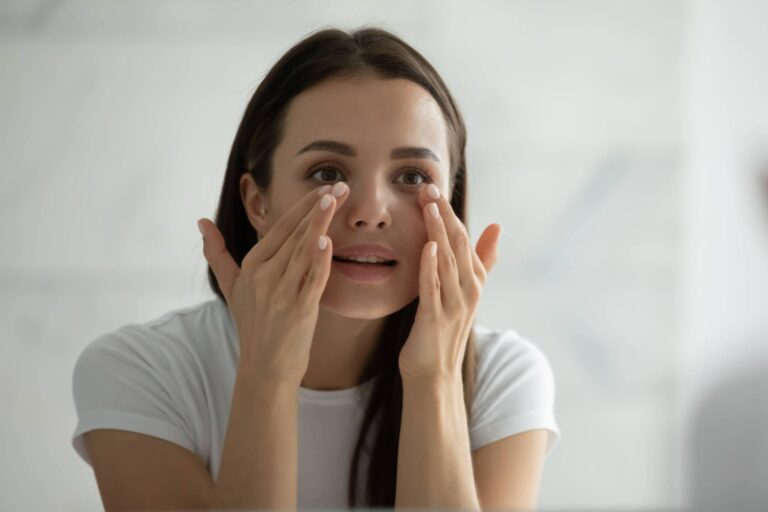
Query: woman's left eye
[(415, 172)]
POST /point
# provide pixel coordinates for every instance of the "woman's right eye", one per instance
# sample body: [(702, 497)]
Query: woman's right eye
[(329, 171)]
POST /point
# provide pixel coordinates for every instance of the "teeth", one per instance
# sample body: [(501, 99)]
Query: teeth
[(362, 259)]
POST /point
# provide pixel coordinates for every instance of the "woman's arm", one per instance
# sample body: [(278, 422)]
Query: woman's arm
[(434, 462), (259, 462)]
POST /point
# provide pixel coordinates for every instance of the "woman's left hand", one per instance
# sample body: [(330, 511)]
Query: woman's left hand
[(450, 284)]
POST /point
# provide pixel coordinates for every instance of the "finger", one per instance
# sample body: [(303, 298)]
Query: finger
[(312, 287), (487, 247), (216, 254), (447, 268), (429, 281), (305, 254), (458, 239), (281, 262), (274, 239)]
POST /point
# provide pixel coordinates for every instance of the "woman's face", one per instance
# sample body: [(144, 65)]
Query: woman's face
[(373, 117)]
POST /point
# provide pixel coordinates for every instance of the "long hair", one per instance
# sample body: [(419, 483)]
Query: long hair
[(325, 54)]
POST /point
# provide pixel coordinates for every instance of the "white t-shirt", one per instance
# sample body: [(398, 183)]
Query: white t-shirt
[(173, 378)]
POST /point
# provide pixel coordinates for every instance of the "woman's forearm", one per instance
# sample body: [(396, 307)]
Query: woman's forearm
[(434, 462), (260, 455)]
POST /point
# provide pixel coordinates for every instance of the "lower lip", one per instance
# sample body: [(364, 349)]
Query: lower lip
[(363, 272)]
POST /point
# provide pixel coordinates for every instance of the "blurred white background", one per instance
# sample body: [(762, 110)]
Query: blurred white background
[(616, 142)]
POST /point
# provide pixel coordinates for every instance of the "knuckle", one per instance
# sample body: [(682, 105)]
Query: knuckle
[(298, 233), (483, 274), (313, 278), (259, 273), (450, 260), (459, 240), (474, 292), (435, 284)]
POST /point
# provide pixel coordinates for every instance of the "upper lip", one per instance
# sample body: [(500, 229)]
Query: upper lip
[(367, 250)]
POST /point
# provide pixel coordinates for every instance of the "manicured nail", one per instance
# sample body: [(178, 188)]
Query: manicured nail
[(325, 202), (322, 243), (433, 191), (323, 190), (433, 210), (339, 189)]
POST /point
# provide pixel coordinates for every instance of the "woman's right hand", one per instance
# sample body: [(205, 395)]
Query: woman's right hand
[(275, 297)]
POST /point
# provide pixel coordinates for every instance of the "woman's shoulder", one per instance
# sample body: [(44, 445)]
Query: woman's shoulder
[(515, 388), (511, 366), (503, 346), (195, 330), (154, 377)]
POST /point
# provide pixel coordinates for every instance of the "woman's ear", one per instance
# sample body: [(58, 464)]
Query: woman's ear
[(254, 202)]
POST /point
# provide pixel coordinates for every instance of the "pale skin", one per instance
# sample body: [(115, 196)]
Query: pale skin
[(386, 203)]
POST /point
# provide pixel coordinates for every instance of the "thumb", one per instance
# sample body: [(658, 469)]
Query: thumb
[(487, 246), (215, 251)]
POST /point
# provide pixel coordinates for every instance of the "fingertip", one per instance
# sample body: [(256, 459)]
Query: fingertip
[(200, 227), (340, 189)]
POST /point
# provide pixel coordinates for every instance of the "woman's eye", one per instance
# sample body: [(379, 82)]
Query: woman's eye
[(328, 173), (419, 174)]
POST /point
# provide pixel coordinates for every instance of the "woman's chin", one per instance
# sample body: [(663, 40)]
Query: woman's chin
[(357, 306)]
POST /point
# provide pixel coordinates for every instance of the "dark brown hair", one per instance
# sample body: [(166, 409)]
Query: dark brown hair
[(322, 55)]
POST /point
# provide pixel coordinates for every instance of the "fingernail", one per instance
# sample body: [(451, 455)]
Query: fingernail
[(339, 189), (323, 190), (433, 191), (433, 210), (325, 202), (200, 227), (322, 243)]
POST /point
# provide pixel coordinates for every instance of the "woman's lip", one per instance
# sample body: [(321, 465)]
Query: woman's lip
[(364, 273), (375, 250)]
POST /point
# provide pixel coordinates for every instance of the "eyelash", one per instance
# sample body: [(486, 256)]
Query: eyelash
[(427, 178)]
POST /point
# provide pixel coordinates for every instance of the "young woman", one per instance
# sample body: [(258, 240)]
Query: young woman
[(339, 364)]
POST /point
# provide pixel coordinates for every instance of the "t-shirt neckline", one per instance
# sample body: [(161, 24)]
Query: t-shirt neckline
[(338, 396), (307, 395)]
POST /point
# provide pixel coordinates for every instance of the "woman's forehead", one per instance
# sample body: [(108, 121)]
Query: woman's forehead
[(367, 113)]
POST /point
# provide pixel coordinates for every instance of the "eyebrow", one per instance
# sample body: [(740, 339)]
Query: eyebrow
[(347, 150)]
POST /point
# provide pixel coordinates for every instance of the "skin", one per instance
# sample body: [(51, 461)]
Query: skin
[(382, 205)]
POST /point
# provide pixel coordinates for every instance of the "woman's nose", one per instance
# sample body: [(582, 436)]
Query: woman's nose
[(367, 207)]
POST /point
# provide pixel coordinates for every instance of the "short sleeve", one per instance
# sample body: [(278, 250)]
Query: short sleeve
[(515, 390), (123, 381)]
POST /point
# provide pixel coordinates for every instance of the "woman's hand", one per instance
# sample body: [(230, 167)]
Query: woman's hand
[(274, 298), (450, 284)]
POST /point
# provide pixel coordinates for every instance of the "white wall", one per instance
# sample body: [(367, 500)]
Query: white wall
[(724, 308)]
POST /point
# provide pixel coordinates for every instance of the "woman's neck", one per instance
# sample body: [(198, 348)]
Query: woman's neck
[(340, 351)]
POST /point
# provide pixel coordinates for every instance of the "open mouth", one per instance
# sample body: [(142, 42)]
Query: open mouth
[(387, 263)]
